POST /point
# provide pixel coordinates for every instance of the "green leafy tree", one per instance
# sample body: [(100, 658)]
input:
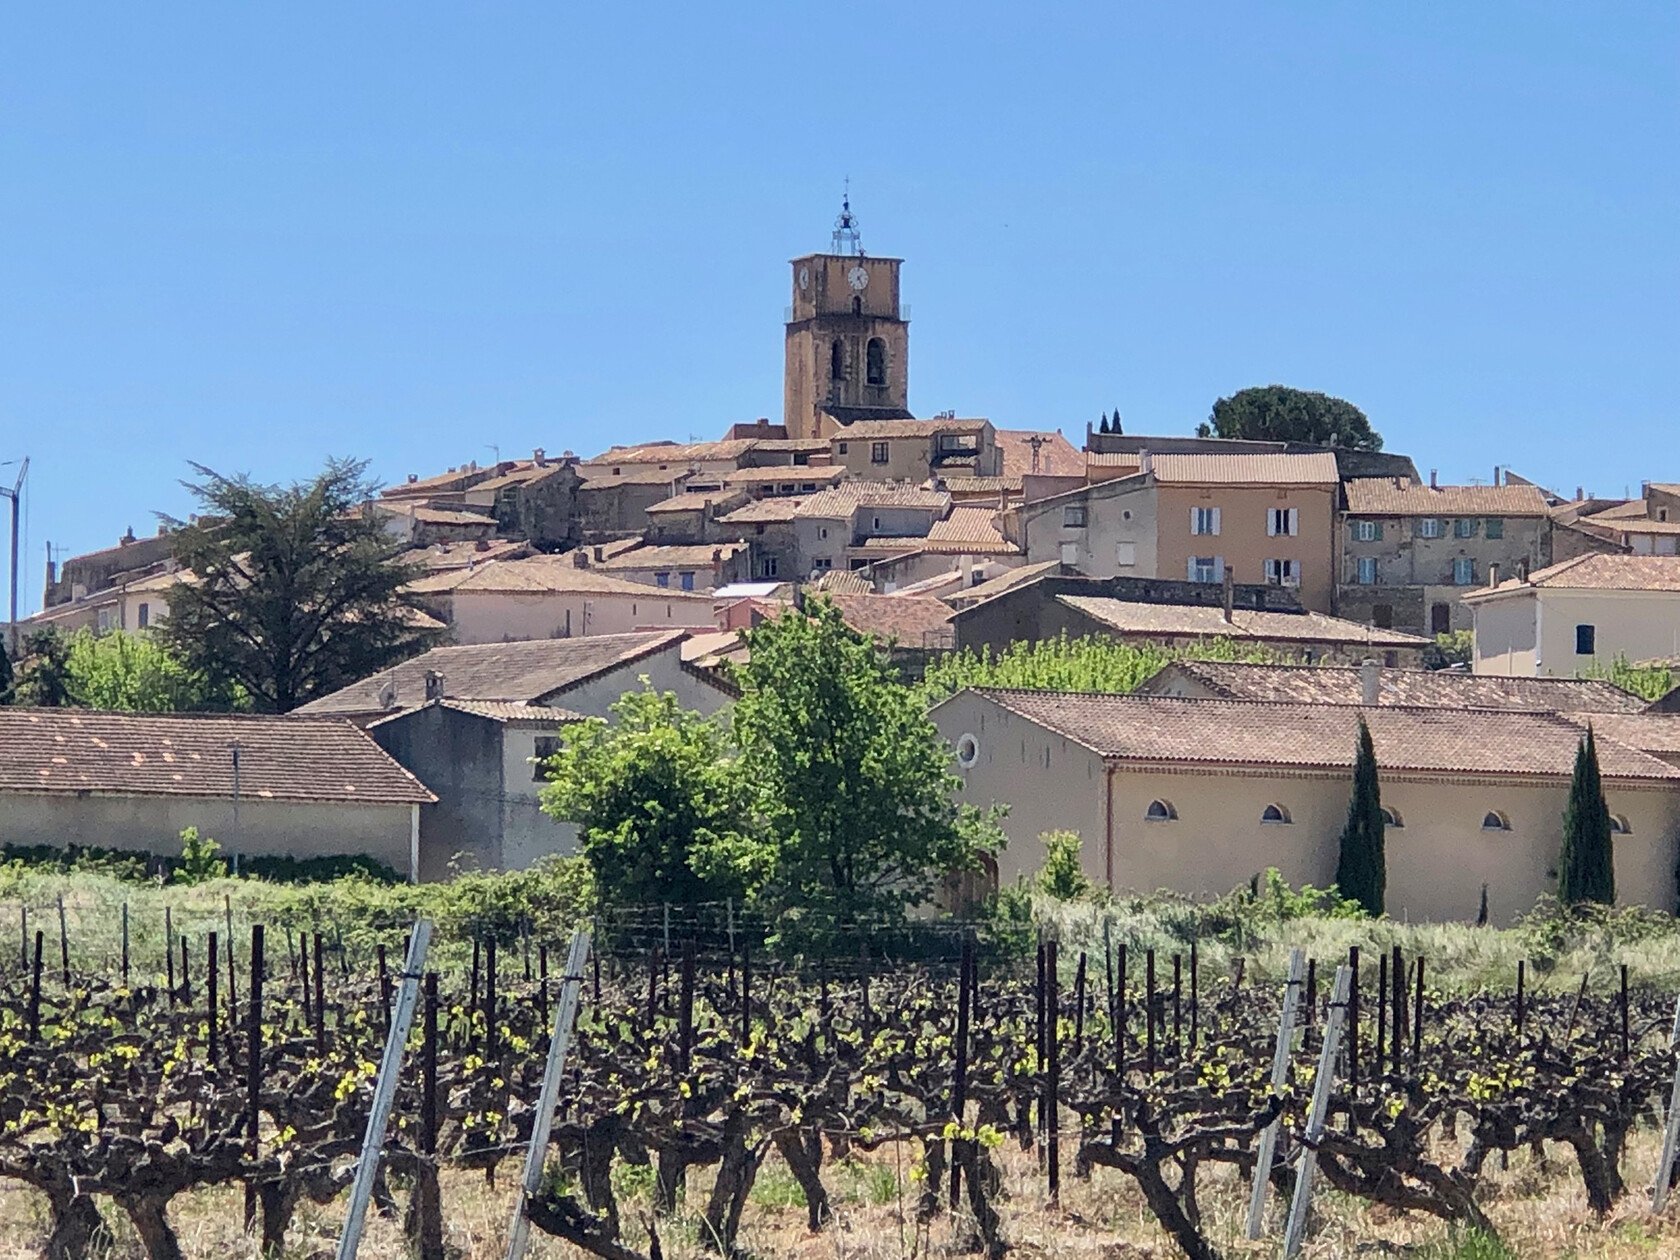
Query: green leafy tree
[(138, 672), (1063, 874), (296, 590), (201, 859), (1587, 872), (1361, 866), (662, 811), (1276, 413), (43, 677), (852, 780)]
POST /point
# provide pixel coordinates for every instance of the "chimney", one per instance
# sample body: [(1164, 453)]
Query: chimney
[(537, 456), (1578, 494), (1493, 575), (600, 555), (580, 558), (1496, 474), (1145, 463), (1370, 681), (128, 538), (1433, 484), (967, 564), (483, 544), (1644, 489), (717, 557), (413, 477), (434, 685), (1228, 593), (1522, 570)]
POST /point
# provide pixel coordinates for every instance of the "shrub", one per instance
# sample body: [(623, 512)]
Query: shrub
[(1063, 874), (199, 861)]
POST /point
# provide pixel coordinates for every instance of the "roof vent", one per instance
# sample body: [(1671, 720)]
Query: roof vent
[(434, 685)]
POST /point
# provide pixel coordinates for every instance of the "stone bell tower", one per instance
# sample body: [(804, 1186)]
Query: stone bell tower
[(848, 349)]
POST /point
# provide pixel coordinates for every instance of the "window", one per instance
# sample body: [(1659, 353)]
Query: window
[(1391, 818), (1283, 522), (767, 567), (145, 615), (1125, 554), (662, 579), (877, 524), (1160, 811), (1440, 618), (836, 361), (1464, 527), (1274, 814), (1366, 571), (1586, 640), (877, 452), (821, 564), (1494, 527), (547, 746), (688, 581), (1283, 572), (968, 751), (1429, 527), (1206, 569), (106, 620), (876, 361), (842, 448), (1073, 516), (822, 532), (1493, 820), (1204, 520), (1382, 616), (1367, 531), (1464, 571), (1619, 825)]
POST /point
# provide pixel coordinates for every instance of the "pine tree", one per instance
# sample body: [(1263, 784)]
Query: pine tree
[(1361, 869), (1588, 871)]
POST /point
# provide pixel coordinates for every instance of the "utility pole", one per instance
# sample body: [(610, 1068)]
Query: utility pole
[(13, 494)]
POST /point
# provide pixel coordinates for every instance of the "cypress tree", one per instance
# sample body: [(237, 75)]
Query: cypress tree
[(1587, 871), (1361, 869), (5, 675), (1116, 421)]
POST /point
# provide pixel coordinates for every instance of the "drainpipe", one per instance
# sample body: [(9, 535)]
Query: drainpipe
[(1108, 824)]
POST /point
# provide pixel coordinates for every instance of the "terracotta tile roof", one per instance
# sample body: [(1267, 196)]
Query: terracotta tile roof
[(865, 430), (1634, 508), (602, 476), (1415, 688), (1654, 733), (529, 672), (1634, 525), (673, 453), (1263, 470), (1057, 457), (981, 487), (1112, 459), (846, 498), (763, 512), (1596, 572), (455, 479), (445, 557), (1391, 496), (1445, 742), (449, 516), (683, 556), (511, 713), (156, 754), (1198, 621), (796, 475), (517, 477), (845, 582), (796, 446), (973, 528), (914, 621), (1008, 581), (719, 501), (551, 575)]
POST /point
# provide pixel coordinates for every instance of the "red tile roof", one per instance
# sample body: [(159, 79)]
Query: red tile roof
[(155, 754), (1596, 572), (1392, 496)]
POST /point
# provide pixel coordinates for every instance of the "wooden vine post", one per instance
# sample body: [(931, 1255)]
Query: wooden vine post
[(1671, 1130), (1053, 1077)]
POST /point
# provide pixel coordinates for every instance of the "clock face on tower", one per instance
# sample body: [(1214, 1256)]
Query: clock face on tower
[(858, 278)]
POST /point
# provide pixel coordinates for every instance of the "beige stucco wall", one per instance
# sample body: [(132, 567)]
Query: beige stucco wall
[(1531, 631), (486, 617), (527, 833), (154, 824), (1242, 539), (1438, 859), (1116, 512)]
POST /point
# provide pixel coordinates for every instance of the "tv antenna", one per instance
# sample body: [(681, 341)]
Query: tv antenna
[(13, 494)]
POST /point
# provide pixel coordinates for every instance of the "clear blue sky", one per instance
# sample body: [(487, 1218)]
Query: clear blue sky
[(254, 236)]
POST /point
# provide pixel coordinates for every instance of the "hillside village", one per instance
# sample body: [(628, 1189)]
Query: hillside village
[(1472, 627)]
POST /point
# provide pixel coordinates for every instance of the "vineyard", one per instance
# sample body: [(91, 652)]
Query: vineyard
[(132, 1084)]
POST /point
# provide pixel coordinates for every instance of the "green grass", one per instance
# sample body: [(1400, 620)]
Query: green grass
[(775, 1187)]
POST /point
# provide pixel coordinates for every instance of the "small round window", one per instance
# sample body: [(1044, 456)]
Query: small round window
[(968, 751)]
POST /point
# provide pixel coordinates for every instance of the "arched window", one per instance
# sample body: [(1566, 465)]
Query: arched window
[(1391, 818), (1619, 825), (836, 361), (1160, 811), (1274, 814), (1493, 820), (877, 361)]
